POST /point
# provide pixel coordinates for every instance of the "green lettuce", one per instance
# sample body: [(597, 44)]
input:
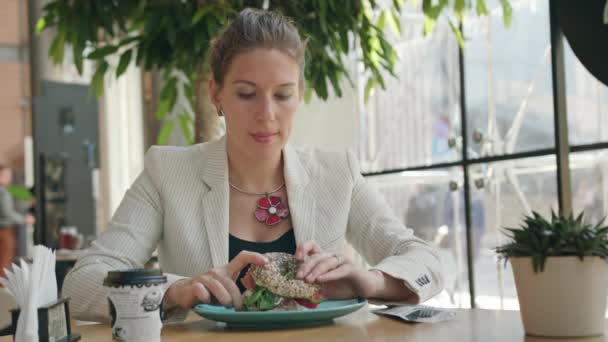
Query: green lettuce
[(261, 299)]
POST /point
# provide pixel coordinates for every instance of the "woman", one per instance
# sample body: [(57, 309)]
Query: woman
[(212, 209)]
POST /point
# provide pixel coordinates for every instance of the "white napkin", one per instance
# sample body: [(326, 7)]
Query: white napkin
[(32, 286)]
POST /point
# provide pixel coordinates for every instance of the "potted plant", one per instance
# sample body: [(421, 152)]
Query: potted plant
[(561, 274)]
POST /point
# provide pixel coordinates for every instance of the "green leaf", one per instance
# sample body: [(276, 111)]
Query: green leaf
[(367, 11), (308, 92), (431, 13), (40, 25), (536, 265), (458, 34), (344, 41), (378, 78), (128, 40), (201, 13), (381, 21), (507, 12), (164, 107), (252, 299), (395, 23), (333, 77), (186, 125), (369, 87), (321, 87), (375, 46), (260, 299), (540, 238), (77, 53), (57, 48), (103, 52), (97, 81), (429, 25), (213, 24), (459, 9), (168, 97), (165, 133), (189, 91), (125, 59), (20, 192), (397, 4), (323, 16), (481, 8), (266, 301)]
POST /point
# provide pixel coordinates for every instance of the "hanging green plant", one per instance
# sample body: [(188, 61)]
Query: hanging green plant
[(174, 36)]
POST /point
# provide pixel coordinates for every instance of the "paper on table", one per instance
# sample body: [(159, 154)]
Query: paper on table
[(418, 313), (32, 288)]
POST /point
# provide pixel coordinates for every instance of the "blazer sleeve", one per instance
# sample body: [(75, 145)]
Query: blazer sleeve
[(131, 238), (382, 239)]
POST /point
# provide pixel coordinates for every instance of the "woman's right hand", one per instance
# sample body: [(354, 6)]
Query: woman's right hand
[(217, 285)]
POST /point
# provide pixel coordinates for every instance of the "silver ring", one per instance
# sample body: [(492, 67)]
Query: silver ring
[(339, 258)]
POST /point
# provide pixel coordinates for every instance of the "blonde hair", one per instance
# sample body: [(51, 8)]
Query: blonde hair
[(253, 29)]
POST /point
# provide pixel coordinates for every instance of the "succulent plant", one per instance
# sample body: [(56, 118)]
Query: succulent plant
[(540, 238)]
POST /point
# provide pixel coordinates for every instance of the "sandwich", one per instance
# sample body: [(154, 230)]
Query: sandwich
[(274, 286)]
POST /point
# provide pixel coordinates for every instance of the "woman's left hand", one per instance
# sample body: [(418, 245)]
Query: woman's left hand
[(338, 275)]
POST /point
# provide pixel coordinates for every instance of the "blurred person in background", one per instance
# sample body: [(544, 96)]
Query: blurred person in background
[(9, 219)]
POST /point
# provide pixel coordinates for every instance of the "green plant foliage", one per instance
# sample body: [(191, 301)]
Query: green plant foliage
[(540, 238), (20, 192), (175, 36)]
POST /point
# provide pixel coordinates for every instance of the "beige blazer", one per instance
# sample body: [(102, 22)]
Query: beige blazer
[(179, 204)]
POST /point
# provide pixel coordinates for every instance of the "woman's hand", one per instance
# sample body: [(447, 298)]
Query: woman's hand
[(217, 285), (339, 276)]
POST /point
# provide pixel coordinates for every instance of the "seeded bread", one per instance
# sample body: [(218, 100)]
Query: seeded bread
[(278, 276)]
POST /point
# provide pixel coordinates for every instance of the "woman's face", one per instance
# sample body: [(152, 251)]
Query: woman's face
[(259, 98)]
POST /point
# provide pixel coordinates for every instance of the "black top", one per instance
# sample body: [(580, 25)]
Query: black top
[(286, 244)]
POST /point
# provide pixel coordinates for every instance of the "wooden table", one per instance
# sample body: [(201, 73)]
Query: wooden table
[(469, 325)]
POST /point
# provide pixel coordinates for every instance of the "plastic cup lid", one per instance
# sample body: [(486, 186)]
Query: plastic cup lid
[(135, 276)]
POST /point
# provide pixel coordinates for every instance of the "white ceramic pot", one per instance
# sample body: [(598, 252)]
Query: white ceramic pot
[(567, 299)]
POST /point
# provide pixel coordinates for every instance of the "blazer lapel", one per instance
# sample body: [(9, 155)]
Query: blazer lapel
[(301, 204), (215, 201)]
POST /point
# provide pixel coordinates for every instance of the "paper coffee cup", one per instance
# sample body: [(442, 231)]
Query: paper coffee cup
[(134, 298)]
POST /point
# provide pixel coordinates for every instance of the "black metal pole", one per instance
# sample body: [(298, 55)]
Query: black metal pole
[(40, 234), (484, 160), (560, 112), (465, 168)]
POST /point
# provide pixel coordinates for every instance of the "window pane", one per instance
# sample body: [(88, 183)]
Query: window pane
[(411, 121), (502, 193), (589, 172), (425, 203), (508, 81), (587, 103)]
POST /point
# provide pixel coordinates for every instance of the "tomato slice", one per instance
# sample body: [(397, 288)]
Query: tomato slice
[(306, 303), (248, 281)]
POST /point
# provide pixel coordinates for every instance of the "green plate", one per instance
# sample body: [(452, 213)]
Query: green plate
[(323, 314)]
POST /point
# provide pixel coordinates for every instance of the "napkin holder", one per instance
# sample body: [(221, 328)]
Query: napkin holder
[(53, 322)]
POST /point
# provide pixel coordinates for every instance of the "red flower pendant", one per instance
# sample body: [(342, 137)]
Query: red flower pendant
[(270, 210)]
